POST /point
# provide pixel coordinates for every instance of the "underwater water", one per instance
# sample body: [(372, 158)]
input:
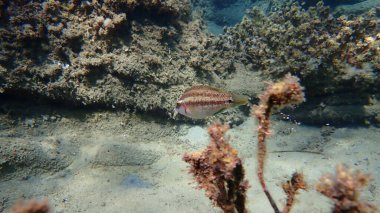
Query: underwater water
[(101, 108)]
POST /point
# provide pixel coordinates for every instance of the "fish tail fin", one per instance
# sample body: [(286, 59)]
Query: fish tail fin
[(240, 100)]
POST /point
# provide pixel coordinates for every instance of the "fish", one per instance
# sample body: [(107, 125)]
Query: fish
[(201, 101)]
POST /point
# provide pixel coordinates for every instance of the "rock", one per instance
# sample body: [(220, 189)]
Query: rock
[(23, 158)]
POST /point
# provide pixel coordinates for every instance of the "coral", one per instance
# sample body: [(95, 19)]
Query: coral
[(278, 95), (220, 172), (31, 206), (343, 188)]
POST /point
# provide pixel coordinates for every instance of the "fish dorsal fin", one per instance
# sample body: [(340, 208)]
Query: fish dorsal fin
[(203, 87)]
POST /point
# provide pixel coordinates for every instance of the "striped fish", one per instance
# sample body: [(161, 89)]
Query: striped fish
[(201, 101)]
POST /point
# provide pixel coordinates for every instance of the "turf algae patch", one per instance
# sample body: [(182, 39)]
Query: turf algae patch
[(114, 54), (22, 158), (336, 58)]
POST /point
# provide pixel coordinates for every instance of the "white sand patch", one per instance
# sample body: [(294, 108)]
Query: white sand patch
[(86, 186), (197, 137)]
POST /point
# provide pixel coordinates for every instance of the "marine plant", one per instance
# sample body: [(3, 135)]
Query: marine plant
[(31, 206), (214, 167), (278, 95), (343, 189), (220, 172)]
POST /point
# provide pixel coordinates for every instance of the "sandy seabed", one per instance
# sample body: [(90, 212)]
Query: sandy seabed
[(118, 162)]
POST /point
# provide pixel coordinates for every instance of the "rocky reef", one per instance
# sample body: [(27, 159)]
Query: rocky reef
[(357, 8), (102, 53), (337, 59), (136, 55), (141, 55)]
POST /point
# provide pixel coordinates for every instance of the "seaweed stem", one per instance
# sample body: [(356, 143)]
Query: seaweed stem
[(278, 95)]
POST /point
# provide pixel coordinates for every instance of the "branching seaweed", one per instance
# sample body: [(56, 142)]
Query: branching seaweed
[(343, 188), (278, 95), (219, 170), (31, 206)]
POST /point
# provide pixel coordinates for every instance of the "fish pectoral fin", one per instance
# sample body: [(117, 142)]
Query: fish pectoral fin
[(219, 111)]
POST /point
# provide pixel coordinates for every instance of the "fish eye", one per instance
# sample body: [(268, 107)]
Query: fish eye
[(230, 101)]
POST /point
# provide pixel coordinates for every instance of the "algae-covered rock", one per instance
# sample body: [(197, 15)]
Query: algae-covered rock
[(116, 54), (357, 8), (86, 53), (334, 57), (142, 54), (20, 157), (332, 2)]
